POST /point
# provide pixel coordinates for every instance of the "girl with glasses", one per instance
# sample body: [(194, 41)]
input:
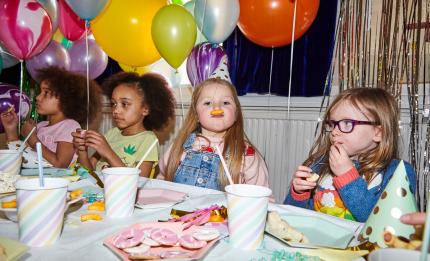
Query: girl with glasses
[(355, 156)]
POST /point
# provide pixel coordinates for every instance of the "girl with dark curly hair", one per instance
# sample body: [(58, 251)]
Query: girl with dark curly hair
[(140, 104), (61, 93)]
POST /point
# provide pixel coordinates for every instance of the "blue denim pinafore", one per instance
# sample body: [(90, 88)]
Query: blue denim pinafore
[(198, 168)]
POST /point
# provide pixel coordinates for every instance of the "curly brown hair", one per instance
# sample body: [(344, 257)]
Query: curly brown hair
[(71, 90), (156, 95)]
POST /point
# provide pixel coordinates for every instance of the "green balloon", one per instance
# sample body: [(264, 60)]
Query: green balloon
[(177, 2), (174, 33)]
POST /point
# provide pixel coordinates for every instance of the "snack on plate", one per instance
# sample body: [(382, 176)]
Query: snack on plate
[(97, 206), (75, 193), (86, 217), (9, 204), (7, 182), (280, 228), (401, 242), (313, 178)]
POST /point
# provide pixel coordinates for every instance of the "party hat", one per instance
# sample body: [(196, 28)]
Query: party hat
[(221, 71), (396, 200)]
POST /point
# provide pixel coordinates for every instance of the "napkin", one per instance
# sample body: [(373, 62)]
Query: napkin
[(14, 249)]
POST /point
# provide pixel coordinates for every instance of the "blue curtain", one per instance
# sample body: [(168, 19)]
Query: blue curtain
[(250, 63)]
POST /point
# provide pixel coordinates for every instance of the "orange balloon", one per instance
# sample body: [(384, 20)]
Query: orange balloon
[(270, 22)]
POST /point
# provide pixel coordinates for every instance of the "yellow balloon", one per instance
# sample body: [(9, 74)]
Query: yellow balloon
[(139, 70), (174, 33), (123, 31)]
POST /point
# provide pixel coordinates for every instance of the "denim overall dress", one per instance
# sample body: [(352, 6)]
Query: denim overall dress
[(198, 168)]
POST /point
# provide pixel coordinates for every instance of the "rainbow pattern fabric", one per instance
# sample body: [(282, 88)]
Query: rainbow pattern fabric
[(10, 161), (120, 194)]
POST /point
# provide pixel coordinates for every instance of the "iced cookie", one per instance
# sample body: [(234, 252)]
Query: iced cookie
[(313, 178)]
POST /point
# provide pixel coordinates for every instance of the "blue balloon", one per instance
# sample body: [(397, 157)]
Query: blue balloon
[(87, 9), (1, 64), (216, 19)]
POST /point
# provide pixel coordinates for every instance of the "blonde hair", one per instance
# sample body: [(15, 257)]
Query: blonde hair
[(234, 140), (381, 107)]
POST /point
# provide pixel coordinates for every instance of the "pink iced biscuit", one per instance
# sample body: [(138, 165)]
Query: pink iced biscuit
[(190, 242), (174, 254), (164, 236), (129, 238), (141, 249)]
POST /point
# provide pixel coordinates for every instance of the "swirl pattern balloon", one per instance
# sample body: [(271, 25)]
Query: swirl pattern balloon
[(26, 27), (9, 97), (203, 61)]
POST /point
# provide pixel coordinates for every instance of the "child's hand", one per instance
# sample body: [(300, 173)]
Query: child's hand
[(9, 120), (339, 160), (300, 184), (26, 129), (98, 142), (79, 140)]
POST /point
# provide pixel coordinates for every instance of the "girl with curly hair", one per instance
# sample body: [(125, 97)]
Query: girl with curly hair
[(140, 104), (58, 100)]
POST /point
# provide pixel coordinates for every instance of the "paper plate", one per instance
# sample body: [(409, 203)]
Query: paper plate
[(321, 233), (158, 198)]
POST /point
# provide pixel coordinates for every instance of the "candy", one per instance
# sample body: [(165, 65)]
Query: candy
[(129, 238), (141, 249), (164, 236), (75, 193), (206, 234), (86, 217), (9, 204), (97, 206), (190, 242)]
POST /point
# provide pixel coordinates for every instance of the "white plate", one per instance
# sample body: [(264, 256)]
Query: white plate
[(320, 232)]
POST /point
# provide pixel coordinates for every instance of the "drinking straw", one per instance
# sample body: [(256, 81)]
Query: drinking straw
[(226, 171), (39, 159), (21, 149), (426, 235), (146, 153)]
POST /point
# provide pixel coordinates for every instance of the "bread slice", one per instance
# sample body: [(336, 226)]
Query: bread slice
[(280, 228)]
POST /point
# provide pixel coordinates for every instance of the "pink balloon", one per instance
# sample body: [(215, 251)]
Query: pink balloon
[(70, 24), (26, 27), (97, 59)]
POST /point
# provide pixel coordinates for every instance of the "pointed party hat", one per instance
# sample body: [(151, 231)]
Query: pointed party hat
[(221, 71), (396, 200)]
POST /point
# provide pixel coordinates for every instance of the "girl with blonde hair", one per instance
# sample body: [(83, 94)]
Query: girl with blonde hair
[(214, 119)]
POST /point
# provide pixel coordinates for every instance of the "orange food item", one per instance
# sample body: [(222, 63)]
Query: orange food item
[(217, 112), (9, 204)]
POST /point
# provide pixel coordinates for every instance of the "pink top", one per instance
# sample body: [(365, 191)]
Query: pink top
[(59, 132), (254, 170)]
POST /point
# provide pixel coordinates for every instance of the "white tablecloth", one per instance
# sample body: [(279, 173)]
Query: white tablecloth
[(84, 241)]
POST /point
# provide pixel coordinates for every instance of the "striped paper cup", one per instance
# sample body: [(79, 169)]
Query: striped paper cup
[(120, 188), (247, 211), (10, 161), (40, 210)]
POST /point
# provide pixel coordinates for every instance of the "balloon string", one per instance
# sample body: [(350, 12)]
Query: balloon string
[(88, 72), (291, 57), (180, 97), (270, 77), (20, 94)]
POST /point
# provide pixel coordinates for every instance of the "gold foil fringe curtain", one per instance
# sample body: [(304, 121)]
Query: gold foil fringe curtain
[(386, 44)]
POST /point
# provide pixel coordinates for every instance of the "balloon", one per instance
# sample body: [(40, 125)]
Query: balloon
[(123, 30), (9, 97), (51, 7), (202, 62), (269, 22), (190, 8), (174, 33), (87, 9), (139, 70), (216, 19), (26, 28), (1, 64), (97, 59), (177, 2), (8, 60), (59, 38), (71, 25), (53, 55)]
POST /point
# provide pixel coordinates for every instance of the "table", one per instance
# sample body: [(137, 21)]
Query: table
[(84, 241)]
